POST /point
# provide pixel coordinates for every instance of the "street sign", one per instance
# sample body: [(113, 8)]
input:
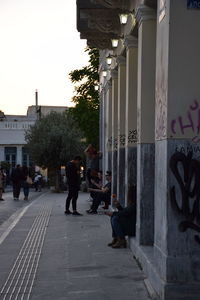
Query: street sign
[(193, 4)]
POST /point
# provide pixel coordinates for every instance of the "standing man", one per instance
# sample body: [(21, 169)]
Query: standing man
[(16, 177), (73, 181)]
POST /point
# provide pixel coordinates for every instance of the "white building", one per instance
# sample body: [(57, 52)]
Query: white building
[(12, 134)]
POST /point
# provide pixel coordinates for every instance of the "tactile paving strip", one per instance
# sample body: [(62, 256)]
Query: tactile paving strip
[(20, 280)]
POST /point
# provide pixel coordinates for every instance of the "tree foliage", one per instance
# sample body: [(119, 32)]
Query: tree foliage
[(5, 165), (86, 110), (53, 140)]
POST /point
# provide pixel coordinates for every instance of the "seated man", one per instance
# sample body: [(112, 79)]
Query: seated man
[(123, 221), (96, 184), (103, 194)]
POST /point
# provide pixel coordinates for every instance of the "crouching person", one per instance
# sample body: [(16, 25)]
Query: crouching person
[(123, 221), (103, 194)]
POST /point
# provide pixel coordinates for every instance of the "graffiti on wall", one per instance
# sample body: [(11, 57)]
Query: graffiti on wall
[(115, 143), (186, 203), (190, 122), (195, 149), (122, 139), (132, 136)]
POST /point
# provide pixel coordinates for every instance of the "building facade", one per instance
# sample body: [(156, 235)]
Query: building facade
[(12, 134), (150, 129)]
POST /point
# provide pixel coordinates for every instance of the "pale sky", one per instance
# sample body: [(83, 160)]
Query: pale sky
[(39, 46)]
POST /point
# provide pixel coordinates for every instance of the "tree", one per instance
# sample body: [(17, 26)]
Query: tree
[(5, 165), (53, 140), (86, 110)]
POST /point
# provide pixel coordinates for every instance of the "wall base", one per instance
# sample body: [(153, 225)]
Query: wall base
[(158, 288)]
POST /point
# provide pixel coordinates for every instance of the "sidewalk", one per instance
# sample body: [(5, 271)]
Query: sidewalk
[(9, 206), (75, 262)]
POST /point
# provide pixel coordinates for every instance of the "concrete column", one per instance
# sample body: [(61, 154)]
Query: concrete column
[(101, 130), (114, 75), (108, 141), (2, 153), (121, 61), (104, 160), (177, 172), (19, 155), (131, 44), (145, 124)]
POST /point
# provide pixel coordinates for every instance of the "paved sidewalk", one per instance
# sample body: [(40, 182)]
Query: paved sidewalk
[(9, 206), (74, 261)]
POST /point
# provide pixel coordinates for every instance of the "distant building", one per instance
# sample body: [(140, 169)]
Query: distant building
[(12, 133)]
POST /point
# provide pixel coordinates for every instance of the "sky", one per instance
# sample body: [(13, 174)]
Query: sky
[(39, 46)]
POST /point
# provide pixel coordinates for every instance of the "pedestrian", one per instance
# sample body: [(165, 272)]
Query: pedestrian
[(73, 182), (93, 163), (16, 177), (4, 179), (26, 181), (38, 182), (1, 183), (103, 194), (123, 221), (96, 184)]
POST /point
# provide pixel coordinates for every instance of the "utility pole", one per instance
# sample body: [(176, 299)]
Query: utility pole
[(37, 108)]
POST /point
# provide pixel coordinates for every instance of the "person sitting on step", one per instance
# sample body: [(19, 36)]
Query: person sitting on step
[(123, 221), (103, 194)]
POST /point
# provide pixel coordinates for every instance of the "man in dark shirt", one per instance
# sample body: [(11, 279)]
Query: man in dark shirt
[(103, 194), (16, 177), (73, 181)]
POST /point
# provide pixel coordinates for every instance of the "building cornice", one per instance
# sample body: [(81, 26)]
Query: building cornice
[(123, 5), (108, 85), (144, 13), (130, 41), (114, 74), (121, 60)]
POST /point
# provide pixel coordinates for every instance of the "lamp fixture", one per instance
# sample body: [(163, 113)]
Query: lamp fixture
[(96, 87), (109, 60), (123, 18), (104, 73), (114, 43)]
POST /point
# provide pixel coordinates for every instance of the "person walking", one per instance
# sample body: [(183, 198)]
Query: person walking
[(38, 182), (73, 181), (16, 177), (25, 184)]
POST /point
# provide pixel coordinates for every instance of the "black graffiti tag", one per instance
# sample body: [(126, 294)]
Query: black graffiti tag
[(189, 182)]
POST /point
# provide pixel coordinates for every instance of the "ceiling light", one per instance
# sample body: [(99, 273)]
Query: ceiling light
[(109, 60), (123, 18), (114, 43)]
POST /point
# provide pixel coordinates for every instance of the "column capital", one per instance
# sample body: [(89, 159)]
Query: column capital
[(144, 13), (114, 74), (130, 41), (121, 60), (108, 85)]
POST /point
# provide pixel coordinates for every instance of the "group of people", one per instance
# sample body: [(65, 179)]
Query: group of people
[(21, 178), (123, 220)]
